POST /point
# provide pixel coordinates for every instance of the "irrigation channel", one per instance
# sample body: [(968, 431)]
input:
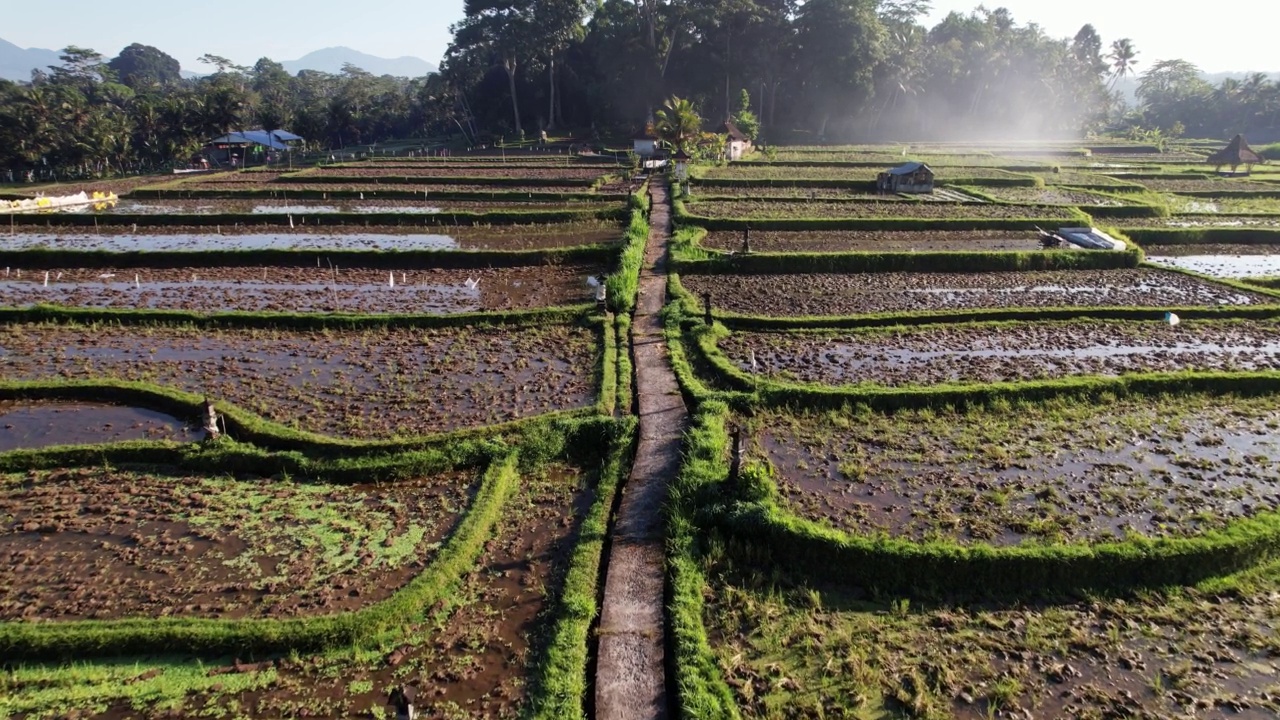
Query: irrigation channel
[(630, 674)]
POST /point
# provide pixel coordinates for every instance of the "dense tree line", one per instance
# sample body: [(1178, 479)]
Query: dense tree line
[(791, 70), (834, 70), (136, 113)]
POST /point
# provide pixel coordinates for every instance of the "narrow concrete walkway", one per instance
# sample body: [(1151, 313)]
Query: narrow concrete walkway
[(630, 673)]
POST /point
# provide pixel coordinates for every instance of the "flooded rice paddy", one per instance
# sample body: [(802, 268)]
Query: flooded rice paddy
[(1004, 352), (1056, 471), (360, 384), (831, 294)]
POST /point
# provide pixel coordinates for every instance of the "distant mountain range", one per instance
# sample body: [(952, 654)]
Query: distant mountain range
[(17, 63), (332, 59)]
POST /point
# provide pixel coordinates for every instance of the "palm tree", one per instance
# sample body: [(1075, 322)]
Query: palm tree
[(678, 123), (1123, 59)]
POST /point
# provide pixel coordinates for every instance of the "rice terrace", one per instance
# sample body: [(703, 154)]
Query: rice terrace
[(645, 360)]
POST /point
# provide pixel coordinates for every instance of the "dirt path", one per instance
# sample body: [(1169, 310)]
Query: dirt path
[(630, 682)]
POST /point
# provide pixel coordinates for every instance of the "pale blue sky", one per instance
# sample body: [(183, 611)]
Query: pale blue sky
[(1207, 34)]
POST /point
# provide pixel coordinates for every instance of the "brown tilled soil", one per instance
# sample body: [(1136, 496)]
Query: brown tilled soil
[(1001, 353), (875, 241), (304, 289), (470, 658), (1067, 472), (102, 544), (829, 294), (360, 384)]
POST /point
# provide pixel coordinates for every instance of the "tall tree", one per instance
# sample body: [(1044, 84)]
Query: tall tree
[(839, 43), (500, 31), (143, 67), (1123, 59)]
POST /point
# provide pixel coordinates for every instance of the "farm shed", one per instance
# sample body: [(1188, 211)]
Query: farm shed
[(1235, 154), (914, 177), (645, 144), (738, 143), (237, 144)]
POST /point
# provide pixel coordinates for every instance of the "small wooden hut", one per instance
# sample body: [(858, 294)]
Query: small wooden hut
[(914, 177), (738, 144), (1235, 154)]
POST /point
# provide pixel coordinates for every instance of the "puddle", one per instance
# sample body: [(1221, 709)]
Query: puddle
[(27, 426)]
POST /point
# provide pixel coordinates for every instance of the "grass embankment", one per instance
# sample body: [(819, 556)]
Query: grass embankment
[(623, 285)]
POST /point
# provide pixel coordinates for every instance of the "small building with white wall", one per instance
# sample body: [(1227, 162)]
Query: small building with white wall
[(738, 144)]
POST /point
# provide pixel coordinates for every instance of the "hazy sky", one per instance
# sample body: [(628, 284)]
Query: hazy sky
[(1208, 35)]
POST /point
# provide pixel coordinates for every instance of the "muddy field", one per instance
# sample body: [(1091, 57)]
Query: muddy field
[(266, 206), (1085, 179), (782, 209), (168, 238), (359, 384), (828, 294), (875, 241), (1188, 204), (305, 289), (1197, 185), (1061, 471), (765, 171), (1047, 196), (461, 170), (831, 653), (1203, 221), (430, 188), (1005, 352), (97, 544), (785, 192), (471, 657), (28, 426), (1223, 261)]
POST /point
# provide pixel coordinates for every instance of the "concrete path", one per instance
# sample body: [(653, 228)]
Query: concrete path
[(630, 673)]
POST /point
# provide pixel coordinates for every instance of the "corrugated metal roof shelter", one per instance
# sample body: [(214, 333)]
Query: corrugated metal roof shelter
[(250, 137), (908, 168), (913, 177)]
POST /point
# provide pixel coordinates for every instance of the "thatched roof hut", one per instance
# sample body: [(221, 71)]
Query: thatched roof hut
[(1235, 154)]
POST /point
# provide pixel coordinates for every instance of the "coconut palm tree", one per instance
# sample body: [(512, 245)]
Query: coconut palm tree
[(678, 123), (1123, 59)]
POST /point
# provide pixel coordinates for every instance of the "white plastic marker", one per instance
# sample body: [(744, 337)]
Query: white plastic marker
[(402, 279), (291, 222), (46, 278), (473, 284), (1171, 318), (754, 365), (136, 284), (391, 279)]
